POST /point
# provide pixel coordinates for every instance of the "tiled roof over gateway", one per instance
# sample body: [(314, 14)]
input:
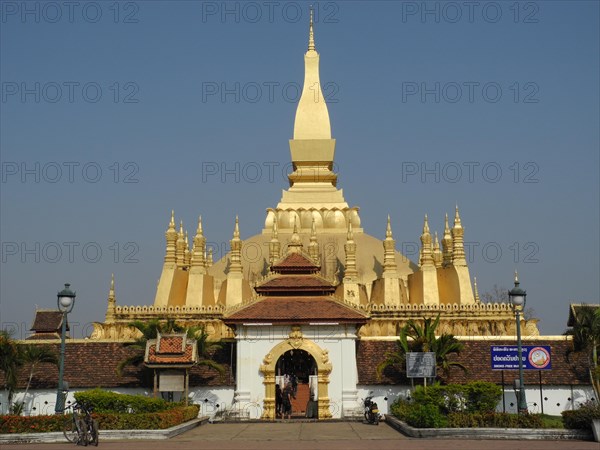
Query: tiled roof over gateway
[(296, 310), (295, 263), (296, 284)]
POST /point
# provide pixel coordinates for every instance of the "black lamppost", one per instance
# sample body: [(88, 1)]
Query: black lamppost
[(65, 301), (517, 298)]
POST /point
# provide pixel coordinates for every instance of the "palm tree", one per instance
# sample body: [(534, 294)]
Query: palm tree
[(586, 339), (10, 363), (34, 355), (149, 330), (205, 348), (415, 337)]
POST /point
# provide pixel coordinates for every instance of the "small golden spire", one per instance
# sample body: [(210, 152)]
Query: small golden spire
[(475, 289), (311, 33), (172, 222), (350, 235), (181, 229), (275, 233), (236, 229), (295, 242), (388, 230), (457, 218), (112, 284), (426, 225), (199, 229)]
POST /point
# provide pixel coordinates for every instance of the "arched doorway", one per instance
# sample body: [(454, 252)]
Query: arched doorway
[(299, 369), (311, 353)]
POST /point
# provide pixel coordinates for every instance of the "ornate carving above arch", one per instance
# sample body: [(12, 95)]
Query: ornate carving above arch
[(296, 341)]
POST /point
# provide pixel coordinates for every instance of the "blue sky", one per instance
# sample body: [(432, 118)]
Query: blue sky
[(112, 114)]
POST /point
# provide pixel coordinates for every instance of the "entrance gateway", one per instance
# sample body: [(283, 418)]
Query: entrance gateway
[(296, 327)]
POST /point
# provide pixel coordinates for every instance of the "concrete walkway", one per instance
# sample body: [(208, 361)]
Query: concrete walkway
[(313, 436)]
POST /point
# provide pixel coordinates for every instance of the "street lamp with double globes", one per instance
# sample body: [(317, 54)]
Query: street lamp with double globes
[(65, 301), (517, 298)]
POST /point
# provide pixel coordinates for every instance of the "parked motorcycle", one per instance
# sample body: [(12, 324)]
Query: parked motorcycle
[(371, 411)]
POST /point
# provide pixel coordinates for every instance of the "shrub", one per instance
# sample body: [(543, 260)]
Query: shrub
[(477, 396), (482, 396), (107, 421), (425, 416), (30, 424), (494, 420), (112, 402), (147, 421), (582, 417), (400, 409)]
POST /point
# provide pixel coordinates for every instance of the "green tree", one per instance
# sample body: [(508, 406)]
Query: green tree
[(414, 337), (150, 329), (205, 348), (35, 355), (10, 363), (586, 339)]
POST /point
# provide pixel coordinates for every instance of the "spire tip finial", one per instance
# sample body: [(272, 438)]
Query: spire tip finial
[(311, 33)]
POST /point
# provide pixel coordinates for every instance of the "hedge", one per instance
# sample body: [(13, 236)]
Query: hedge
[(582, 417), (113, 402), (107, 421)]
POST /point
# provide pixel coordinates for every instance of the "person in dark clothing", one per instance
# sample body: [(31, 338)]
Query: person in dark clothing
[(287, 401), (294, 381), (278, 400)]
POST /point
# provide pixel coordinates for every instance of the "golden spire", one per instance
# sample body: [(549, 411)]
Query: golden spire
[(171, 237), (187, 255), (274, 245), (312, 116), (426, 251), (350, 272), (446, 244), (437, 254), (311, 33), (209, 257), (110, 310), (458, 249), (236, 229), (295, 244), (180, 246), (457, 222), (476, 290), (389, 248), (236, 249), (313, 246), (198, 248)]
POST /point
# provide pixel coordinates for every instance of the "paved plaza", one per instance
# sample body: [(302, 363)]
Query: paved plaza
[(313, 436)]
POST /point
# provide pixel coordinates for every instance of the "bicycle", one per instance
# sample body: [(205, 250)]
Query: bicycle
[(80, 427)]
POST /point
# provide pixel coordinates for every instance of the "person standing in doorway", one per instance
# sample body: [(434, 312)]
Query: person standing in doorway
[(278, 400), (287, 401)]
